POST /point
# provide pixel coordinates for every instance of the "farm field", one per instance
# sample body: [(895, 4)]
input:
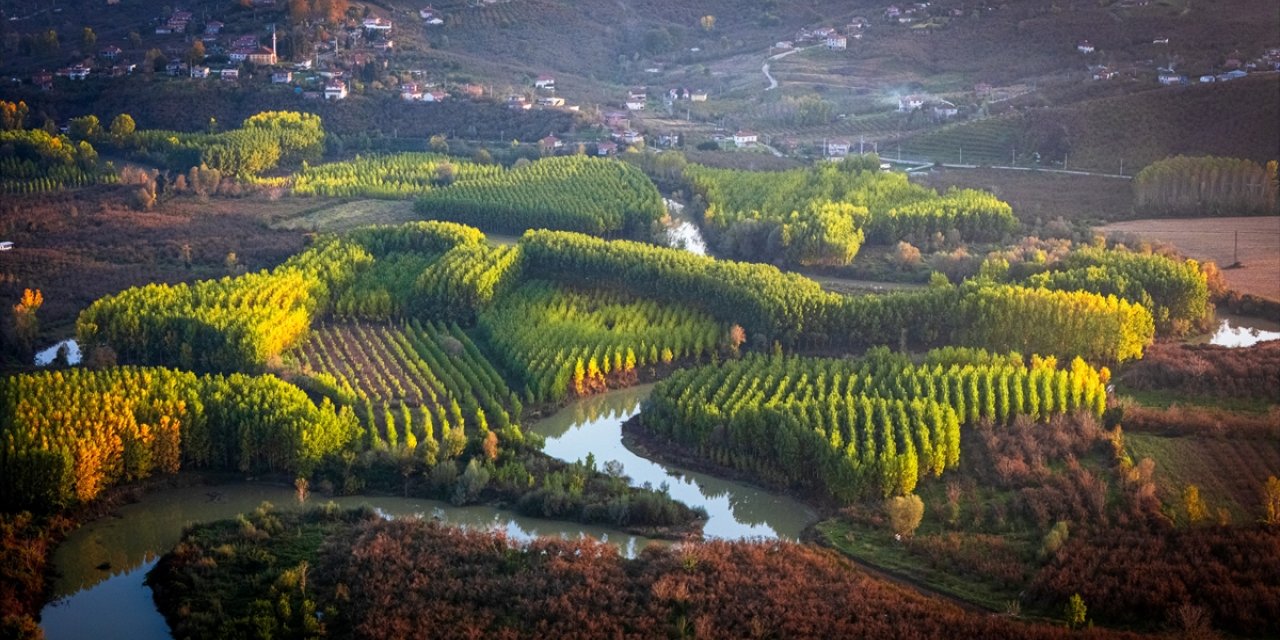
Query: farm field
[(1214, 239), (405, 378), (1041, 195), (1229, 472)]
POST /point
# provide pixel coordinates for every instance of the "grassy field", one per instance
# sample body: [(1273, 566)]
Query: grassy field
[(1215, 239), (1229, 472), (877, 547), (348, 215)]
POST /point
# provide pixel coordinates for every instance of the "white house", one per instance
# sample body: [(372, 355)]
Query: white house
[(745, 138), (910, 103), (698, 96), (944, 110), (1084, 46), (199, 72), (78, 72), (230, 74), (550, 101), (282, 77), (434, 96), (377, 25), (837, 148), (545, 82), (635, 105), (837, 42), (606, 148), (410, 92), (335, 91), (1169, 78)]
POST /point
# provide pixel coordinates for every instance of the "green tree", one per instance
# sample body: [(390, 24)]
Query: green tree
[(122, 128), (1271, 501), (26, 324), (1077, 613), (1197, 510), (85, 127), (88, 40)]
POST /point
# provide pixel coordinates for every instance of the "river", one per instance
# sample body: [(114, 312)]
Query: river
[(102, 565)]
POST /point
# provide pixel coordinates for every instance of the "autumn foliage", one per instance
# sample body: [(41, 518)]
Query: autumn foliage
[(410, 578)]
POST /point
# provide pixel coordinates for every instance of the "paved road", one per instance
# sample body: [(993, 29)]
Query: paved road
[(773, 82)]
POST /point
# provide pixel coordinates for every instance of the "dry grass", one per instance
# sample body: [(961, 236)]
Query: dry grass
[(1214, 239)]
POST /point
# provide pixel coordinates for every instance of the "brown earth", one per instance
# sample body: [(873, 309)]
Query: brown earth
[(77, 247), (1215, 239)]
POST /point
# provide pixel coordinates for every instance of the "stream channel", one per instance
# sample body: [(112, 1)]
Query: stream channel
[(100, 592)]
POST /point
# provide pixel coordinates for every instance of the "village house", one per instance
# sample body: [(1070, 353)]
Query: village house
[(175, 68), (410, 91), (837, 148), (281, 77), (943, 110), (77, 72), (550, 101), (617, 120), (745, 138), (668, 139), (262, 56), (545, 82), (837, 42), (199, 71), (43, 79), (1101, 72), (434, 96), (213, 27), (606, 148), (230, 74), (1084, 46), (698, 96), (335, 90), (635, 105), (1168, 77), (1207, 78), (376, 25), (519, 102), (629, 136), (784, 44), (473, 91), (982, 90), (110, 52), (910, 103), (550, 144)]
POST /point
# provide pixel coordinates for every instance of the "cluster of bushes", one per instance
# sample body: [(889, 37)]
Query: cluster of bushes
[(822, 214), (366, 582), (1208, 370), (1222, 577)]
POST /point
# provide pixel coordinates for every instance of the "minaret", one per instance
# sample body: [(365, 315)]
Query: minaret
[(274, 59)]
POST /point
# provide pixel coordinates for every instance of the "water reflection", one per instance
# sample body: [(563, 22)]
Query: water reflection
[(103, 564), (594, 426), (682, 233), (1228, 335), (47, 356)]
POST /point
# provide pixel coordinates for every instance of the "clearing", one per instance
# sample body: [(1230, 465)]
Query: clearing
[(1215, 239), (349, 215), (1230, 472)]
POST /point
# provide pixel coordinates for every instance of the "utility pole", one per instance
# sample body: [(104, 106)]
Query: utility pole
[(962, 154)]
